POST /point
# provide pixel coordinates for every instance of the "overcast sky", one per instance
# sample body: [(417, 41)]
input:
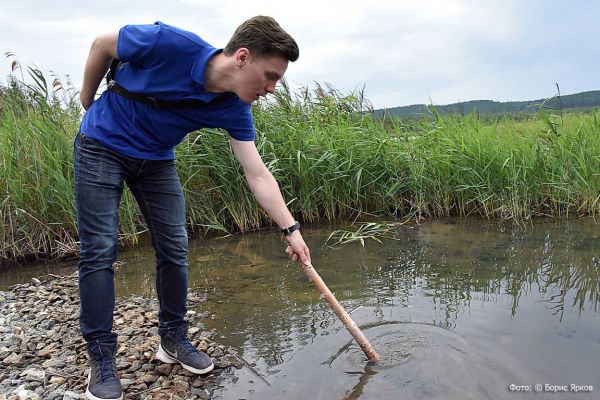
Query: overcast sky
[(404, 52)]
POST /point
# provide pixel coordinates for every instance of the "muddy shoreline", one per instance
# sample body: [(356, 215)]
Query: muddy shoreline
[(42, 353)]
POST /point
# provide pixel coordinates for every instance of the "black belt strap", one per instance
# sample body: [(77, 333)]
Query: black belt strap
[(158, 103)]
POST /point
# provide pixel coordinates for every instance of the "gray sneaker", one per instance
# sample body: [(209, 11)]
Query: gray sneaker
[(175, 349), (103, 381)]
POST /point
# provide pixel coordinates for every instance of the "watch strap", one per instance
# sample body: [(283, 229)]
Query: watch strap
[(291, 229)]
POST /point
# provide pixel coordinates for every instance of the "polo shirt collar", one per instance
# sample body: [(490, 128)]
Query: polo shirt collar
[(199, 66)]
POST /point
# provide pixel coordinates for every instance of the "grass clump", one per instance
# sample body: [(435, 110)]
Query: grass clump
[(332, 158)]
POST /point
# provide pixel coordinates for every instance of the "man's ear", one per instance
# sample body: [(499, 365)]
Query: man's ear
[(242, 56)]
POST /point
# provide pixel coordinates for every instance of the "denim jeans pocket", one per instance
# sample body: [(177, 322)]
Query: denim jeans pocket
[(85, 139), (92, 148), (98, 162)]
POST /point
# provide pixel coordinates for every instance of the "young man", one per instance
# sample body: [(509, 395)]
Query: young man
[(169, 82)]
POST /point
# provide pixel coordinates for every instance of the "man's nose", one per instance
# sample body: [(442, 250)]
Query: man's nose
[(270, 88)]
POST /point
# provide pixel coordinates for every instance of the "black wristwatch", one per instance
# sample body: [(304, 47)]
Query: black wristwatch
[(291, 229)]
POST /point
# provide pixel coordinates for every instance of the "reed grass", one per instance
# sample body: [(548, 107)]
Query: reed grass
[(333, 161)]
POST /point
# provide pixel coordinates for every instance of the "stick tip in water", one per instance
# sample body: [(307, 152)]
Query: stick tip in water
[(373, 357)]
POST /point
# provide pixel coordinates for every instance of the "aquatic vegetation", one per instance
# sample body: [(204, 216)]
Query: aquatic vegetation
[(333, 159)]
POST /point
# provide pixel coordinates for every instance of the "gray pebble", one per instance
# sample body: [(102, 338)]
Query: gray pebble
[(42, 353), (71, 395)]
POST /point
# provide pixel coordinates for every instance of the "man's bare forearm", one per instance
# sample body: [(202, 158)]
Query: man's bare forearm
[(264, 187), (102, 51), (267, 193)]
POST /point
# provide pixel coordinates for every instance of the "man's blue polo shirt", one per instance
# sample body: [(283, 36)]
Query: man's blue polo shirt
[(166, 63)]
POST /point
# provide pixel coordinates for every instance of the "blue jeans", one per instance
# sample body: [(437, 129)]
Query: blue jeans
[(99, 177)]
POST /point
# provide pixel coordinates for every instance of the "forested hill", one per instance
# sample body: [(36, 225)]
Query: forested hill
[(581, 100)]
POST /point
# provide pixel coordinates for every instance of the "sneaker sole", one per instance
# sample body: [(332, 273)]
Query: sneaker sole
[(164, 357), (90, 396)]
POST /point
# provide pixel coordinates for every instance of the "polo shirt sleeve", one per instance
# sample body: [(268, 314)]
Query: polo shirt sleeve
[(240, 125), (136, 42)]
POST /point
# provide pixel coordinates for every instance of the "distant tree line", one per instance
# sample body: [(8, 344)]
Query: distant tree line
[(583, 100)]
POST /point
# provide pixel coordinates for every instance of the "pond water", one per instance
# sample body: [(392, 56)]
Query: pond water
[(456, 309)]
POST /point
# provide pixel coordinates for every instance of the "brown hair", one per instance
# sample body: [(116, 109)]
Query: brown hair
[(263, 37)]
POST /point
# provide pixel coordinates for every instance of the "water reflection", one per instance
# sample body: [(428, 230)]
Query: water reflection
[(363, 379), (519, 295), (449, 263)]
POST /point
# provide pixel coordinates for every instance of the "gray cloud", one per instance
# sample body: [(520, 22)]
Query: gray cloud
[(404, 52)]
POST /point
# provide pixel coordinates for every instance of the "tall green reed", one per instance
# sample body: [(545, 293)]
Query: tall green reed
[(37, 211), (332, 159), (38, 121)]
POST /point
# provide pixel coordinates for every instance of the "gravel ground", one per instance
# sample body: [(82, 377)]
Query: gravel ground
[(42, 353)]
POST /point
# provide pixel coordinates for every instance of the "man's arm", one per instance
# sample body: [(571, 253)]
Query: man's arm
[(103, 50), (264, 187)]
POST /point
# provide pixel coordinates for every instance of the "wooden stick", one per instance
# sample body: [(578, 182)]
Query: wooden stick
[(354, 330)]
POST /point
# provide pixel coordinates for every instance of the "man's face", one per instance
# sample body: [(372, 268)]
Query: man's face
[(258, 76)]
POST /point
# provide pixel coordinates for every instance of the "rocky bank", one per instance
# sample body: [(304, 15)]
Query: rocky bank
[(43, 356)]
